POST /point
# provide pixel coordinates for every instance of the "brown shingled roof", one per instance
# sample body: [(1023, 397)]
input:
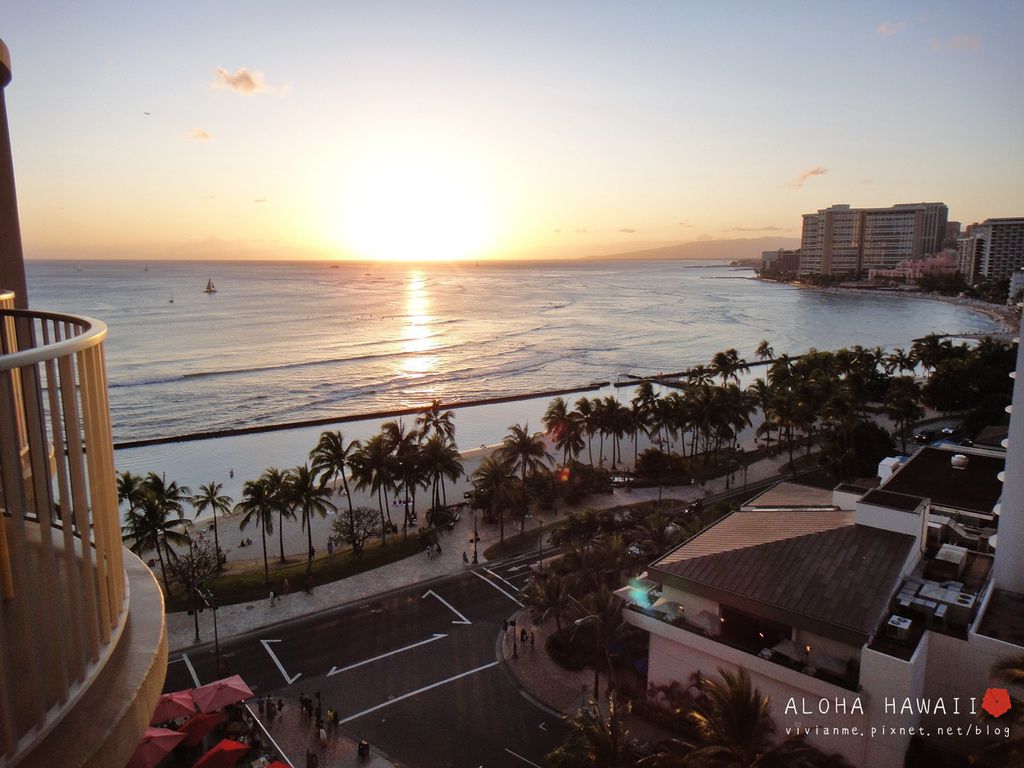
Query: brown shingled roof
[(745, 529), (836, 581)]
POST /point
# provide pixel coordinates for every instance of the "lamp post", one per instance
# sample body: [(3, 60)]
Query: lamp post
[(515, 650), (211, 603), (540, 554), (476, 536)]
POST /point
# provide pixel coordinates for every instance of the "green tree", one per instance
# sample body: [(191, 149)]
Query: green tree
[(594, 740), (494, 487), (258, 506), (526, 453), (563, 428), (441, 461), (210, 497), (587, 419), (280, 500), (331, 459), (373, 467), (310, 496), (547, 595), (434, 420)]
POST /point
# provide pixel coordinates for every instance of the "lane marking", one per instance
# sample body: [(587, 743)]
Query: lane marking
[(528, 762), (437, 636), (502, 578), (277, 661), (506, 594), (449, 606), (191, 669), (418, 691)]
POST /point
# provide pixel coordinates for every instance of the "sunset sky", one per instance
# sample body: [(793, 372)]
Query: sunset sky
[(484, 129)]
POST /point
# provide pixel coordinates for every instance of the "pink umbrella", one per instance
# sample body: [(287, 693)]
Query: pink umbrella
[(199, 725), (172, 706), (155, 745), (225, 754), (218, 694)]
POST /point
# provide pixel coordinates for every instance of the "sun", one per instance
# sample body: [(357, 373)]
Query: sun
[(413, 210)]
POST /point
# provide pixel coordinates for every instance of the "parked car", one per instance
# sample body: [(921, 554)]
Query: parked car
[(925, 436)]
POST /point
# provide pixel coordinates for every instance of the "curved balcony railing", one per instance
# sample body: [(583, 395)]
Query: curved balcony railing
[(63, 596)]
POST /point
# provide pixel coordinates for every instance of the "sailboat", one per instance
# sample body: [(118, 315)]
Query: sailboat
[(210, 287)]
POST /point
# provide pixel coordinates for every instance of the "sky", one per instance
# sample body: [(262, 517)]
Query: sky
[(389, 130)]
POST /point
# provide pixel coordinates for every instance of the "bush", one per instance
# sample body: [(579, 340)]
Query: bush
[(573, 647)]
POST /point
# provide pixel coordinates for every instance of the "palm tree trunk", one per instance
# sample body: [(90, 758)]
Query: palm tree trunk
[(501, 525), (309, 538), (280, 532), (590, 447), (383, 526), (216, 539), (266, 564), (163, 570)]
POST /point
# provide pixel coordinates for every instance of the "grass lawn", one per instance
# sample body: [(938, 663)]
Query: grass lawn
[(244, 581)]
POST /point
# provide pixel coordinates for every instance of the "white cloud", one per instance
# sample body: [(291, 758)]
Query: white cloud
[(243, 81)]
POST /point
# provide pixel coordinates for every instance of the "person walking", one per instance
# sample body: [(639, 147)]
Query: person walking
[(465, 558)]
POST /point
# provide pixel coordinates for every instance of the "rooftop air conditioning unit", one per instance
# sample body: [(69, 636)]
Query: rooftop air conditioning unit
[(898, 627), (959, 461)]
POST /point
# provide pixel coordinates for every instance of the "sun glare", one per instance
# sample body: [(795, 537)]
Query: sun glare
[(413, 211)]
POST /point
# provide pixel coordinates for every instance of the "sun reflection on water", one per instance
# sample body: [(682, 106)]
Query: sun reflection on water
[(416, 338)]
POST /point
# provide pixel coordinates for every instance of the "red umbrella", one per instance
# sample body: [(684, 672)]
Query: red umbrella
[(225, 754), (277, 764), (197, 726), (172, 706), (218, 694), (155, 745)]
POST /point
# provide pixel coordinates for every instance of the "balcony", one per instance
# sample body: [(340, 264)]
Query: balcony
[(753, 655), (83, 645)]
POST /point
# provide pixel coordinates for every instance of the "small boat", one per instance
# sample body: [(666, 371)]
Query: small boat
[(170, 300), (210, 287)]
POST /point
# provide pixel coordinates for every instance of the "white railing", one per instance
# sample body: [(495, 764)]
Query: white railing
[(63, 597)]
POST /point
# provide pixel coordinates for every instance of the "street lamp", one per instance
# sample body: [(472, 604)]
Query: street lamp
[(540, 554), (476, 536), (211, 603)]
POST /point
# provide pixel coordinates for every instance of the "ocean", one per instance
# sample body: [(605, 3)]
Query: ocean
[(282, 342)]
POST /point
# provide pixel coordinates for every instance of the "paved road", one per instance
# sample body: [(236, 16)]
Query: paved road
[(413, 672)]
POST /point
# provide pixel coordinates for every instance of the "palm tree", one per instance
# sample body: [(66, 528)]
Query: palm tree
[(373, 467), (594, 741), (257, 505), (616, 417), (564, 429), (404, 447), (898, 360), (129, 489), (903, 405), (209, 497), (548, 596), (729, 365), (168, 499), (764, 351), (526, 453), (280, 500), (331, 460), (441, 461), (143, 529), (588, 423), (605, 615), (734, 731), (433, 419), (493, 483), (309, 497)]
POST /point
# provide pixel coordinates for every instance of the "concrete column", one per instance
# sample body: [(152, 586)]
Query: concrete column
[(12, 262), (1009, 560)]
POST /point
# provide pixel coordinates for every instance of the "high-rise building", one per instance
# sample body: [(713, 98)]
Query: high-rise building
[(992, 250), (83, 642), (841, 240)]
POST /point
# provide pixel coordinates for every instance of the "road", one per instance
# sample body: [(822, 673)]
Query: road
[(413, 672)]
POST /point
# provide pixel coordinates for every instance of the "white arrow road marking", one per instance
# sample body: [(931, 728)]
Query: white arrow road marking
[(191, 669), (425, 688), (288, 679), (497, 576), (542, 727), (336, 670), (449, 605), (506, 594), (528, 762)]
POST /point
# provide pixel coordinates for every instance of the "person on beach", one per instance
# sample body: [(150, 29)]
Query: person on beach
[(273, 598)]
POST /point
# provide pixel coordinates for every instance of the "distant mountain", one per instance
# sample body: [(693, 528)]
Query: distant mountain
[(723, 250)]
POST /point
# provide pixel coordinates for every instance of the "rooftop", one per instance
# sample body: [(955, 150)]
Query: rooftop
[(792, 496), (884, 498), (929, 474), (816, 569)]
